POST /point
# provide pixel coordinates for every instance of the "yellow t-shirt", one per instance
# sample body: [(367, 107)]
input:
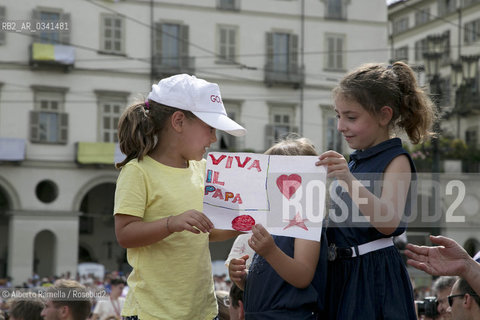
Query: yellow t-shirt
[(171, 279)]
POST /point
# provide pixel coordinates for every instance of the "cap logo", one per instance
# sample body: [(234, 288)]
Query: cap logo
[(215, 98)]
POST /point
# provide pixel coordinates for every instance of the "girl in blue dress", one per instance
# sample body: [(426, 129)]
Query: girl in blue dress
[(287, 277), (367, 278)]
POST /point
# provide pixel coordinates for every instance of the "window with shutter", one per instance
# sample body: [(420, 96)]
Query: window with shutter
[(225, 141), (184, 46), (49, 36), (401, 54), (3, 34), (110, 107), (281, 123), (400, 25), (446, 6), (282, 59), (335, 51), (422, 16), (280, 52), (53, 16), (420, 49), (332, 138), (336, 9), (471, 31), (228, 4), (227, 43), (65, 34), (48, 122), (171, 46), (112, 34)]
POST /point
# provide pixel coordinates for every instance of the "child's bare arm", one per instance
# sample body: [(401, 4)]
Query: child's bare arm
[(222, 235), (133, 232), (299, 270), (385, 212), (237, 271)]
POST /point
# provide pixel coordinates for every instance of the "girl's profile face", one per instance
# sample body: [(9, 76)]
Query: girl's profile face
[(360, 129), (197, 137)]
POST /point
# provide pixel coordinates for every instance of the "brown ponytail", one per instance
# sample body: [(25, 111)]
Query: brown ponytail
[(140, 126), (376, 85), (417, 111)]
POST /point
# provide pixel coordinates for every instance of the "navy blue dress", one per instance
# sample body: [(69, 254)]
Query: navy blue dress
[(268, 296), (375, 285)]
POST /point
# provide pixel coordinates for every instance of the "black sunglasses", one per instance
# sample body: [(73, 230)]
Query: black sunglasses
[(450, 298)]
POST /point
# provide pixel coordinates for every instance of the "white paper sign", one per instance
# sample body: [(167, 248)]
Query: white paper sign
[(286, 194)]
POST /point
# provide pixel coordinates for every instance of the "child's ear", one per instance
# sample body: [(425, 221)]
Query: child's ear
[(177, 120), (385, 115)]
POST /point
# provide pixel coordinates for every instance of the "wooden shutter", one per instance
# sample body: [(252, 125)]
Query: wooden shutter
[(158, 39), (34, 126), (269, 135), (269, 51), (64, 35), (36, 18), (339, 53), (293, 53), (63, 128), (183, 43), (232, 47), (3, 34)]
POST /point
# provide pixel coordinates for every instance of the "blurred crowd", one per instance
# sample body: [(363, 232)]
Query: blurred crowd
[(101, 288), (108, 294)]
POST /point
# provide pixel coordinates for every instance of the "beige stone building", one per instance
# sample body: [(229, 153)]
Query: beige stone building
[(69, 68)]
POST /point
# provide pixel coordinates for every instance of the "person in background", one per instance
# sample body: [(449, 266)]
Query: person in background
[(287, 276), (159, 198), (66, 300), (442, 288), (222, 302), (111, 307), (464, 302), (372, 191), (239, 249), (446, 259), (235, 308), (476, 257), (26, 309)]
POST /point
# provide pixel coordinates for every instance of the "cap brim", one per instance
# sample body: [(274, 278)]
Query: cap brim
[(221, 122)]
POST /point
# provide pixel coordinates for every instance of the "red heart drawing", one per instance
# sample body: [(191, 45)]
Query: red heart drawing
[(288, 185), (243, 223)]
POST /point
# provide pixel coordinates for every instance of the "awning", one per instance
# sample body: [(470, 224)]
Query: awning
[(12, 149), (52, 52), (98, 153)]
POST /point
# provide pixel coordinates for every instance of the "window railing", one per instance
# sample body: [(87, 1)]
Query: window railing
[(228, 5), (293, 74), (169, 66)]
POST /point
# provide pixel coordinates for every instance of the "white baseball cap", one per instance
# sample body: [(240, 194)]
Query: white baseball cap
[(202, 98)]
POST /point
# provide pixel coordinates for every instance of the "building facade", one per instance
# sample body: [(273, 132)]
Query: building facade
[(440, 39), (69, 68)]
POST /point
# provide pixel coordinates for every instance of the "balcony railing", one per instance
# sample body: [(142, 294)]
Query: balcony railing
[(98, 153), (233, 5), (293, 75), (165, 67), (12, 149), (52, 55)]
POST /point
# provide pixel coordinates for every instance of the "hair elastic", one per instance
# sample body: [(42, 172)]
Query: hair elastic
[(147, 105)]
